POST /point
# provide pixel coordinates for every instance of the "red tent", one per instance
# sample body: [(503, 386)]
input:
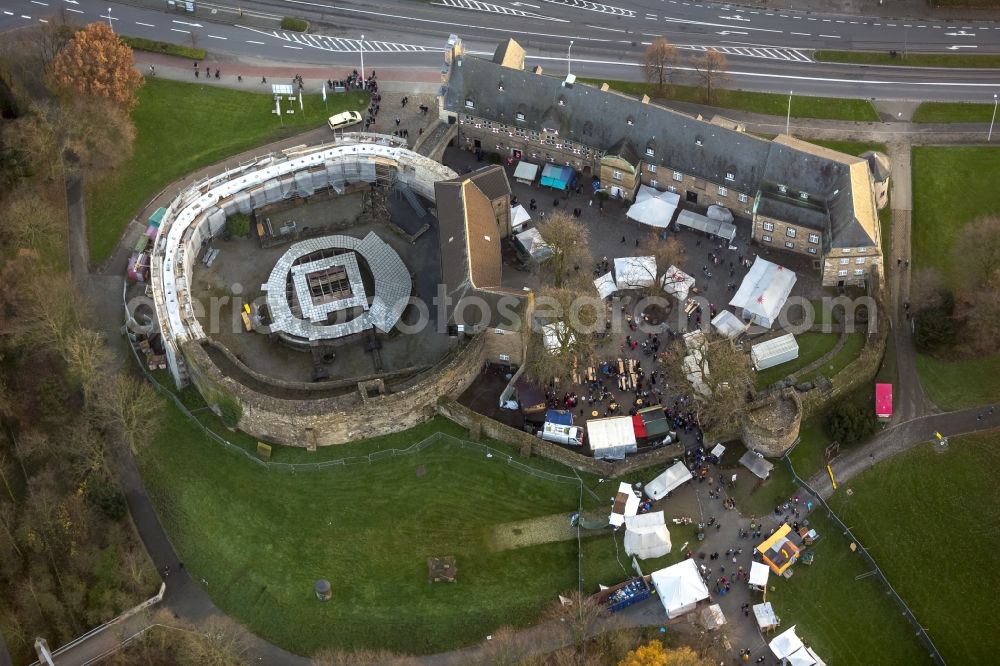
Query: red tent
[(883, 401)]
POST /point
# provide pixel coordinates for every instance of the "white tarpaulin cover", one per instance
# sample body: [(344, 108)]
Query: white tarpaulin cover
[(679, 587), (635, 272), (677, 283), (758, 574), (554, 336), (788, 646), (719, 213), (646, 535), (701, 223), (533, 243), (765, 615), (653, 208), (764, 291), (728, 324), (713, 617), (674, 477), (518, 216), (525, 172), (628, 508), (775, 351), (718, 450), (605, 285), (611, 438)]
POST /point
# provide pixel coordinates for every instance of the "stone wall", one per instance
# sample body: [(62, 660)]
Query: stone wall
[(772, 426), (340, 419)]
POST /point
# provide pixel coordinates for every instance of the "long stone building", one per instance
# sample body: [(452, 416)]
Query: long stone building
[(799, 197)]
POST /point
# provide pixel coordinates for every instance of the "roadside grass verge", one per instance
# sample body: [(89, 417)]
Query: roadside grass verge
[(181, 127), (956, 60), (155, 46), (953, 112), (803, 106)]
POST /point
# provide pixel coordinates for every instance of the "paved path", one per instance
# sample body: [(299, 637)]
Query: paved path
[(822, 360)]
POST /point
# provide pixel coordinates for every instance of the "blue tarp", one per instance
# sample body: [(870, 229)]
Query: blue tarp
[(559, 417), (556, 176)]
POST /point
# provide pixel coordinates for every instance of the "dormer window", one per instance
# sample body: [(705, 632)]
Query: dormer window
[(804, 196), (783, 189), (519, 116), (562, 101), (469, 104), (730, 175), (630, 120), (650, 151), (698, 141), (500, 86)]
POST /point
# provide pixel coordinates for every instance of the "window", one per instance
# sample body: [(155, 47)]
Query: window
[(859, 261), (812, 250), (678, 176), (846, 250), (653, 183), (630, 120), (650, 151), (616, 174), (519, 116), (766, 238), (742, 198), (723, 191), (768, 226), (671, 188), (841, 273), (859, 271), (651, 168), (804, 196), (790, 245), (730, 175), (469, 104), (790, 232), (814, 238), (845, 261), (782, 189)]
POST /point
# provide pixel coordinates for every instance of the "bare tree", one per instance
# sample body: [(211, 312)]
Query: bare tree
[(657, 61), (30, 221), (133, 407), (577, 621), (88, 360), (977, 251), (564, 339), (567, 239), (220, 641), (710, 68), (981, 313), (666, 254), (376, 657), (927, 290)]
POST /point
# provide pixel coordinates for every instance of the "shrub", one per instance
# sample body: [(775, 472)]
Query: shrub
[(849, 423), (294, 24), (140, 44), (934, 327), (238, 225), (109, 500)]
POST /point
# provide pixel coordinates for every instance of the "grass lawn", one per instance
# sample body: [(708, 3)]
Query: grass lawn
[(854, 148), (960, 384), (850, 351), (803, 106), (261, 539), (953, 112), (902, 510), (181, 127), (961, 60), (811, 347)]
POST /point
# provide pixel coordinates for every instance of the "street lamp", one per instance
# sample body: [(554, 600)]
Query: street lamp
[(569, 62), (362, 46), (788, 116), (993, 119), (109, 20)]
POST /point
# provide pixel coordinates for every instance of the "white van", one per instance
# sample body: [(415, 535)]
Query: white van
[(562, 434), (344, 119)]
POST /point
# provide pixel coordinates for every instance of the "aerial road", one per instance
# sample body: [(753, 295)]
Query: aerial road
[(767, 49)]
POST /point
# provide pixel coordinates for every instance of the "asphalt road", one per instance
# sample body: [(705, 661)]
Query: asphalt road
[(767, 50)]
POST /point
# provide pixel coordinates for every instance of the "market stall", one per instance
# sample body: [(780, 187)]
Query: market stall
[(653, 208), (763, 292), (671, 479), (525, 172)]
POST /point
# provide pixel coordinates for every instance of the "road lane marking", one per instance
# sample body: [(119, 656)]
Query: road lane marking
[(39, 2), (289, 46), (831, 36), (250, 41), (217, 37), (148, 25), (75, 11), (186, 32), (800, 34)]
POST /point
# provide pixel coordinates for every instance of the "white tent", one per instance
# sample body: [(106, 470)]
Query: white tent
[(713, 617), (718, 450), (554, 335), (674, 477), (611, 438), (518, 216), (775, 351), (679, 587), (758, 574), (763, 292), (635, 272), (705, 225), (653, 208), (677, 283), (646, 535), (626, 505), (789, 647), (605, 285), (533, 243), (728, 324), (766, 619), (525, 172)]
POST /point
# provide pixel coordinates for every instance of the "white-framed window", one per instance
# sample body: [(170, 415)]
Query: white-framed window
[(671, 188), (841, 273), (789, 244), (768, 226), (859, 261), (846, 250), (742, 198), (814, 239), (519, 116), (678, 176), (723, 191), (730, 175), (653, 183), (812, 250), (630, 120), (859, 271), (782, 188), (766, 238), (845, 261), (616, 174), (650, 151), (651, 168), (790, 232), (469, 104), (803, 195)]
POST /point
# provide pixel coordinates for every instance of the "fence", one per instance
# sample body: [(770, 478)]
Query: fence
[(876, 570)]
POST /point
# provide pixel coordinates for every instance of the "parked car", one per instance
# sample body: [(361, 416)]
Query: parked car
[(344, 119)]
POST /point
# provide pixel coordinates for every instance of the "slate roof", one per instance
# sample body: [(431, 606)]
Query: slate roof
[(491, 181)]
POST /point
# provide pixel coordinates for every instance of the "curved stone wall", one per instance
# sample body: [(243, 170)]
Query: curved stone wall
[(772, 425)]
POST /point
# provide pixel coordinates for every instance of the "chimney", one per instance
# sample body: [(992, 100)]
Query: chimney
[(537, 69), (645, 99), (605, 87)]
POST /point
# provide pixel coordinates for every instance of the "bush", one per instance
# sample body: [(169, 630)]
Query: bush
[(238, 225), (934, 327), (140, 44), (109, 501), (294, 24), (850, 423)]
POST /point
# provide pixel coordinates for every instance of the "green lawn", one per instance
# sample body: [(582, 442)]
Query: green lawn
[(812, 346), (848, 353), (181, 127), (854, 148), (959, 60), (960, 384), (261, 539), (803, 106), (930, 521), (953, 112)]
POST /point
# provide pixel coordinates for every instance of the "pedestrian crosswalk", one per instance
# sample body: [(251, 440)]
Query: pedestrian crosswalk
[(766, 52), (342, 45), (594, 7), (478, 6)]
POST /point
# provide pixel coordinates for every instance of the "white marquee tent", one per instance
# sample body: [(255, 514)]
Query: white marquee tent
[(611, 438), (766, 618), (646, 535), (533, 243), (626, 505), (674, 477), (635, 272), (653, 208), (518, 216), (789, 647), (728, 324), (525, 172), (763, 292), (605, 285), (680, 588), (677, 283), (758, 575)]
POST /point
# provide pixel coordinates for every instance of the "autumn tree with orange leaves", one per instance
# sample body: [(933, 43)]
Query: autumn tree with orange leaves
[(98, 66)]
